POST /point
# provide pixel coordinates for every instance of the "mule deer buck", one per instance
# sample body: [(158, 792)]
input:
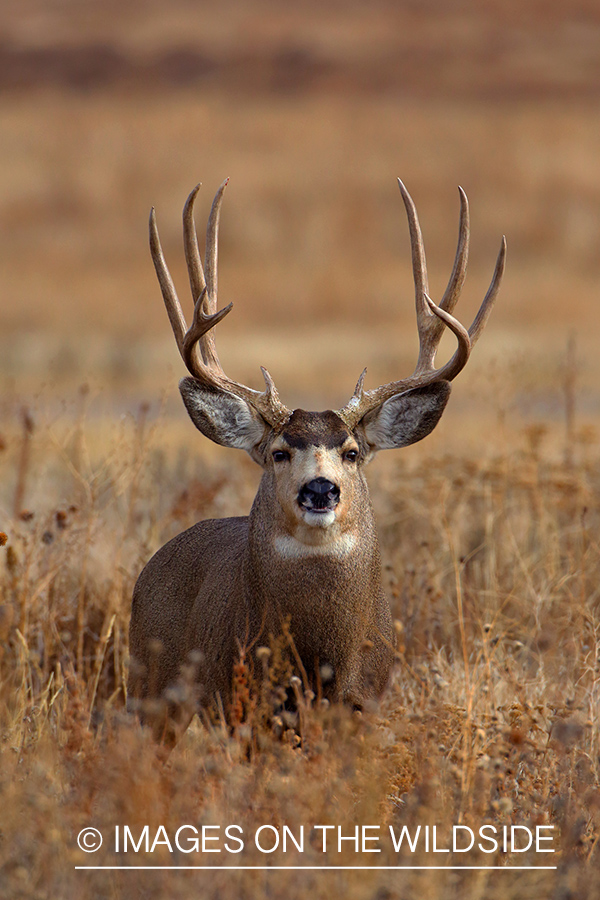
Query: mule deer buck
[(308, 551)]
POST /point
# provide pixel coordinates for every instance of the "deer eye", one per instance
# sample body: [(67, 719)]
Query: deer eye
[(351, 455), (280, 456)]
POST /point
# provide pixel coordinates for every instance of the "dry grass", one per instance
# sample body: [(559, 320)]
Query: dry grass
[(492, 566)]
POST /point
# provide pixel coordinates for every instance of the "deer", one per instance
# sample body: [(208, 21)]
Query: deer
[(308, 553)]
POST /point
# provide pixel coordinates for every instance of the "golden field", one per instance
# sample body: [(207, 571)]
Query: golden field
[(489, 529)]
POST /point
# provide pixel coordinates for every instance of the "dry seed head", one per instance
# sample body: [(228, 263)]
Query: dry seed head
[(245, 732), (504, 805), (290, 737), (61, 518), (326, 672), (277, 726), (12, 560)]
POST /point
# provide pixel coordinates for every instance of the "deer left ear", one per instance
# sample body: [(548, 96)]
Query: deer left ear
[(222, 417), (406, 418)]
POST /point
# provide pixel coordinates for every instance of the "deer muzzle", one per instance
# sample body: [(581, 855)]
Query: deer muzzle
[(319, 496)]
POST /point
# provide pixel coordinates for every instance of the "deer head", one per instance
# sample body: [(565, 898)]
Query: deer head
[(313, 460)]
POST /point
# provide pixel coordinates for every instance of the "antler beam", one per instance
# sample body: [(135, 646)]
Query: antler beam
[(197, 343)]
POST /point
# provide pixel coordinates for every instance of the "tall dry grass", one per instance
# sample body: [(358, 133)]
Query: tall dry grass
[(492, 566)]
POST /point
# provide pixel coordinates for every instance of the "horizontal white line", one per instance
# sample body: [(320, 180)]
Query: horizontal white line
[(323, 868)]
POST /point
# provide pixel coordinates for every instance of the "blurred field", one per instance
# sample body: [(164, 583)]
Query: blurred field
[(314, 237), (489, 529)]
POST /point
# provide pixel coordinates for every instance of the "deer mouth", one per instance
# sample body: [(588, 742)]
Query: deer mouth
[(318, 499)]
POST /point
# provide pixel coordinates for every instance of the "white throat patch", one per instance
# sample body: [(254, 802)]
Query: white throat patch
[(290, 547)]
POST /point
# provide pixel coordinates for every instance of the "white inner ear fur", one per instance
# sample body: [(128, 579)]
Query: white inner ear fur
[(221, 417), (407, 417)]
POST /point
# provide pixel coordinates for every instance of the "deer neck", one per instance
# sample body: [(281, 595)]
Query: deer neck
[(280, 552), (325, 591)]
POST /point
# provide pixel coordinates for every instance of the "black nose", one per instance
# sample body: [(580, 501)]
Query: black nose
[(319, 494)]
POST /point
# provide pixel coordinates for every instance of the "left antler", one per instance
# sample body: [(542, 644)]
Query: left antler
[(432, 319)]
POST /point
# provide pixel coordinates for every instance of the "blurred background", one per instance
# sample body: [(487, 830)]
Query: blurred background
[(312, 109)]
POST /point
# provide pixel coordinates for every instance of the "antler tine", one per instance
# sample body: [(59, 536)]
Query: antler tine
[(212, 246), (430, 325), (200, 334), (489, 299), (187, 339), (417, 247), (199, 279), (176, 317), (459, 270), (451, 369), (468, 339), (203, 283), (432, 319), (191, 249)]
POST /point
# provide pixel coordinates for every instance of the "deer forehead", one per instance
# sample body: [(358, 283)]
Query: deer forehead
[(305, 430)]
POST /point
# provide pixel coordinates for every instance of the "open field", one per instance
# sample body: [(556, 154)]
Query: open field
[(313, 228), (489, 529), (492, 718)]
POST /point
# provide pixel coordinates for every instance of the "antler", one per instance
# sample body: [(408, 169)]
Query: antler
[(197, 343), (432, 319)]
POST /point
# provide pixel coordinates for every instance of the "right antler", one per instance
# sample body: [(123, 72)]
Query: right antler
[(197, 343), (432, 319)]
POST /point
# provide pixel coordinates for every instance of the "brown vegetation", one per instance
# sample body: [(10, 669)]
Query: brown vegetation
[(492, 566)]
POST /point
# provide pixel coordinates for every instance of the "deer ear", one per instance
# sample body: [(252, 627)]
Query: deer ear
[(223, 418), (406, 418)]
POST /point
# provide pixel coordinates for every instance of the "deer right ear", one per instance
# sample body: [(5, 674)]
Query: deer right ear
[(407, 417), (222, 417)]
